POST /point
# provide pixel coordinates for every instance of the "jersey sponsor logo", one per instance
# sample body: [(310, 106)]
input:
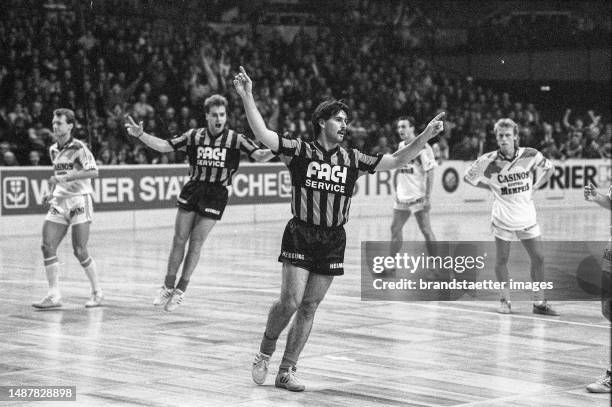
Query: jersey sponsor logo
[(292, 256), (514, 190), (326, 177), (409, 170), (63, 166), (211, 156), (15, 193), (77, 211), (515, 176)]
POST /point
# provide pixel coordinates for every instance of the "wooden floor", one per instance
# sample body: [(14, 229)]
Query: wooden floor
[(359, 354)]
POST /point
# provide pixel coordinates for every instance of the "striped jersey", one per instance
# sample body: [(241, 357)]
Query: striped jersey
[(322, 182), (213, 159), (511, 181), (411, 178), (74, 156)]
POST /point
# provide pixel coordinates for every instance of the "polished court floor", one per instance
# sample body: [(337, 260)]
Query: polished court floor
[(128, 353)]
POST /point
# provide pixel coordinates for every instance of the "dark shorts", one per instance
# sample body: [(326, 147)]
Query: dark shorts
[(206, 199), (317, 249)]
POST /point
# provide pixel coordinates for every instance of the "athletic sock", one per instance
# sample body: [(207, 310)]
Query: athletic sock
[(52, 272), (89, 266)]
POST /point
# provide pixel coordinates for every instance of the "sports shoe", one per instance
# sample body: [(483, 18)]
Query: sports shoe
[(544, 309), (602, 385), (50, 301), (260, 368), (505, 307), (286, 380), (95, 300), (163, 295), (175, 300)]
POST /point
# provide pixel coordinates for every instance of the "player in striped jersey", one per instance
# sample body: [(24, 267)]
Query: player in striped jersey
[(214, 157), (413, 190), (510, 174), (323, 176), (69, 203), (604, 384)]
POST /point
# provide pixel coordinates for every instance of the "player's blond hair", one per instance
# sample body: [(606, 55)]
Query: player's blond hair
[(214, 100), (506, 124)]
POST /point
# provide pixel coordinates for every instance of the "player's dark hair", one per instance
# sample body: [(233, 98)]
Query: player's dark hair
[(67, 113), (214, 100), (325, 111), (409, 119)]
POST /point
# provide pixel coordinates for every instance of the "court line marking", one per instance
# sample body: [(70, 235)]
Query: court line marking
[(335, 296)]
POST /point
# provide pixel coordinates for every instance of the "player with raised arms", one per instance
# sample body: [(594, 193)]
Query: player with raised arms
[(323, 176), (214, 157)]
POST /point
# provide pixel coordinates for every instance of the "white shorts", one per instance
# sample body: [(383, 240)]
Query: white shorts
[(522, 234), (412, 206), (71, 210)]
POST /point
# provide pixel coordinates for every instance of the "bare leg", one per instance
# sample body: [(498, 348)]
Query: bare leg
[(422, 218), (399, 220), (533, 248), (80, 237), (292, 292), (201, 228), (182, 229), (316, 288), (501, 264), (53, 233)]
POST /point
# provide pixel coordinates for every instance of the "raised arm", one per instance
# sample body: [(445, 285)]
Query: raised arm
[(244, 87), (136, 130), (566, 122), (404, 155)]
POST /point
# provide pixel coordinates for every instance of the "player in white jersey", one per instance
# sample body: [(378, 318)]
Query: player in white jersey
[(413, 190), (604, 384), (69, 203), (510, 174)]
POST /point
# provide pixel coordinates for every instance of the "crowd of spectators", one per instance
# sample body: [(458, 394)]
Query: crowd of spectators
[(541, 30), (161, 70)]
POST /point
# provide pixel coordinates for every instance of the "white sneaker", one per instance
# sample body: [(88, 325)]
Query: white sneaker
[(95, 300), (174, 301), (260, 368), (163, 295), (287, 380), (602, 385), (50, 301), (504, 307)]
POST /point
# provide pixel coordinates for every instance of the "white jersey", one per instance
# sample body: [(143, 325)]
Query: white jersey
[(412, 178), (73, 157), (511, 182)]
